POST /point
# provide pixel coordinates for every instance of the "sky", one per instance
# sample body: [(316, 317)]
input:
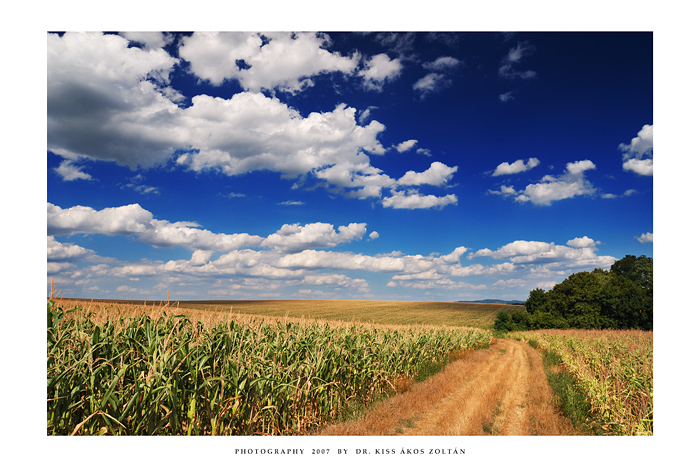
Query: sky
[(327, 165)]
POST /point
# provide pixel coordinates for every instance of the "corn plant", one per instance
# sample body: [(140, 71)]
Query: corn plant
[(613, 369), (172, 376)]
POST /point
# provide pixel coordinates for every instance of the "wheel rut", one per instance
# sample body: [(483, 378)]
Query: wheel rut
[(497, 391)]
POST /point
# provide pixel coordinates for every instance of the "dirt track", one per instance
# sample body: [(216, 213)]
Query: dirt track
[(498, 391)]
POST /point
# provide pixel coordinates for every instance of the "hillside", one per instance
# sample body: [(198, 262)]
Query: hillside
[(479, 315), (495, 301)]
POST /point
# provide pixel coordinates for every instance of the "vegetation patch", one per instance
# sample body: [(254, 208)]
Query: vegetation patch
[(621, 298), (167, 374), (602, 379)]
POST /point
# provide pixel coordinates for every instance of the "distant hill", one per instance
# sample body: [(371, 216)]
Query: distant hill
[(493, 300)]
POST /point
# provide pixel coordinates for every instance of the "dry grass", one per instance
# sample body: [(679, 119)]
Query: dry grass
[(502, 390), (358, 311), (295, 311)]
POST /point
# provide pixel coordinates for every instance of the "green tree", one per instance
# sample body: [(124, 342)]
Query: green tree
[(521, 320), (503, 322), (639, 270), (622, 298), (535, 301)]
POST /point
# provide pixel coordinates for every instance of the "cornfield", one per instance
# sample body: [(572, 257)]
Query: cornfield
[(613, 369), (170, 375)]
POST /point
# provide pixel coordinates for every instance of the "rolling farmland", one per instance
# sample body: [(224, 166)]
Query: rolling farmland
[(299, 367), (476, 315)]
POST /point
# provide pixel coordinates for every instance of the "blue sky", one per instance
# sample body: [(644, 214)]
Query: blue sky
[(411, 166)]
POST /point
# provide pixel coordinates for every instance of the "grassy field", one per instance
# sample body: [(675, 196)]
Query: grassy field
[(475, 315), (147, 370)]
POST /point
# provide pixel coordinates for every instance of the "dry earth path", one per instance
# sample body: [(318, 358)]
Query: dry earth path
[(502, 390)]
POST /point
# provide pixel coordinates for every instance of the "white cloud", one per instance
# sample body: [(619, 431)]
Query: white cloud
[(638, 156), (200, 257), (406, 145), (134, 220), (506, 96), (509, 283), (639, 166), (101, 106), (581, 255), (314, 259), (66, 252), (582, 242), (102, 93), (437, 175), (69, 171), (514, 57), (108, 101), (374, 235), (150, 40), (379, 70), (442, 64), (504, 191), (579, 167), (645, 238), (294, 237), (431, 82), (518, 166), (568, 185), (414, 200), (285, 61), (291, 257)]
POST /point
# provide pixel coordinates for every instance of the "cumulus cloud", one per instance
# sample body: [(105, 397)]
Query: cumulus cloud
[(103, 103), (296, 255), (582, 242), (200, 257), (645, 238), (437, 175), (109, 101), (379, 70), (411, 199), (294, 237), (406, 145), (568, 185), (65, 252), (518, 166), (638, 156), (102, 94), (579, 253), (150, 40), (136, 221), (69, 171), (284, 61)]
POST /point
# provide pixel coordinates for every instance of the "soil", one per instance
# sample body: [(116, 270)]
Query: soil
[(502, 390)]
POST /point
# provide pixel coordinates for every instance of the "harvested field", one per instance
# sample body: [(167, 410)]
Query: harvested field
[(476, 315)]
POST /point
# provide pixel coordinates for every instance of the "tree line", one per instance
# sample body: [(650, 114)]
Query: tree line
[(621, 298)]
